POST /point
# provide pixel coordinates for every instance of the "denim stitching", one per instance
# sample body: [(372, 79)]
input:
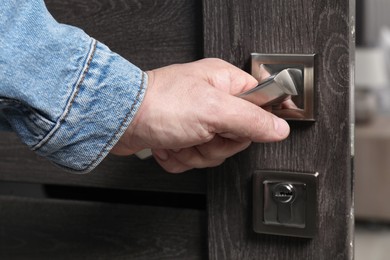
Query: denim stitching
[(69, 106), (123, 122)]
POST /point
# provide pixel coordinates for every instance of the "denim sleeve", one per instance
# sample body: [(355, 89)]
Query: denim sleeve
[(66, 95)]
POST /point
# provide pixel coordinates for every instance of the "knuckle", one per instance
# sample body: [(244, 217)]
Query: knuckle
[(196, 162), (211, 110), (174, 168), (204, 135)]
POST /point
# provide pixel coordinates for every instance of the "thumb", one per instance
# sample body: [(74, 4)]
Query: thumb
[(242, 119)]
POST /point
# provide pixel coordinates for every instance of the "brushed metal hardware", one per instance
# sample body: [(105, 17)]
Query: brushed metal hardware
[(301, 107), (285, 203), (284, 193), (274, 89)]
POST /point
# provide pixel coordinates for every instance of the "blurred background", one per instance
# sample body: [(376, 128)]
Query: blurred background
[(372, 132)]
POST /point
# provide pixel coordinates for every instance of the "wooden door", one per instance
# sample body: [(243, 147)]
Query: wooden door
[(232, 30), (154, 33)]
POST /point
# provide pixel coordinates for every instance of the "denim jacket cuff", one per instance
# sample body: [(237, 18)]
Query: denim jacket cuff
[(103, 103)]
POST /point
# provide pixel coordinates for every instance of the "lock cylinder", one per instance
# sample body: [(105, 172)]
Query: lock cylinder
[(284, 193), (285, 203)]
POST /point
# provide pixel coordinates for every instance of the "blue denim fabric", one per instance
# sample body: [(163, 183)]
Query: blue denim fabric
[(66, 95)]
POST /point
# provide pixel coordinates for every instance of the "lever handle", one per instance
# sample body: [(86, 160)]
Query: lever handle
[(275, 89)]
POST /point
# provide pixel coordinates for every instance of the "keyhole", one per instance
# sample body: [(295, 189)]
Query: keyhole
[(284, 193)]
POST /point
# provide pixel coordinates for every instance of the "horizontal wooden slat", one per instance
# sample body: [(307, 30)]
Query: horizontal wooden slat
[(52, 229), (18, 163), (149, 33)]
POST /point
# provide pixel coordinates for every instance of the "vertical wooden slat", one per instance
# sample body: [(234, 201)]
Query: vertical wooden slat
[(232, 30)]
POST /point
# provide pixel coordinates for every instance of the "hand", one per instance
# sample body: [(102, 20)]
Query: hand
[(191, 118)]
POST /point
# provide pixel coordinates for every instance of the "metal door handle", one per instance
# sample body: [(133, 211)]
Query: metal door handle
[(275, 89)]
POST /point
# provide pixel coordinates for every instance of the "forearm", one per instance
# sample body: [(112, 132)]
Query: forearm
[(67, 96)]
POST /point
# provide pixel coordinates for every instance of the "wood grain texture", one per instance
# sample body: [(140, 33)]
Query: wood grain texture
[(149, 33), (18, 163), (51, 229), (235, 28)]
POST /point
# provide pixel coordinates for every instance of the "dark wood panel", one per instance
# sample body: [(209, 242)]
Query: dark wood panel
[(235, 28), (18, 163), (32, 229), (149, 33)]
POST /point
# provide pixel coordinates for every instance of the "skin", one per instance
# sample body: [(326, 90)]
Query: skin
[(190, 117)]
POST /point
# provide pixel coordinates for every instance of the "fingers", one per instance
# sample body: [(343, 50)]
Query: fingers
[(190, 104), (174, 162), (169, 163), (209, 154), (288, 104), (236, 117)]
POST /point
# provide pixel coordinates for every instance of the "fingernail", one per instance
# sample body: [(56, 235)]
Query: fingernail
[(281, 126), (161, 154)]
